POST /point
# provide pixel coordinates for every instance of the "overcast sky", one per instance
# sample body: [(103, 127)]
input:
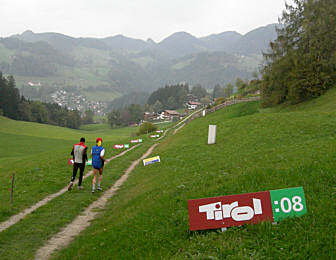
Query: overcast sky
[(143, 19)]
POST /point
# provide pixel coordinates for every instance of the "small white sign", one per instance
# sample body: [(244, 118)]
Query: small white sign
[(212, 134)]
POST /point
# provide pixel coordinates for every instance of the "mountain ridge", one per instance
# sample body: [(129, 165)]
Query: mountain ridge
[(120, 65), (223, 41)]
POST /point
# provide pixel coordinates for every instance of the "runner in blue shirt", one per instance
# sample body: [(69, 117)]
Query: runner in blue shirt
[(98, 153)]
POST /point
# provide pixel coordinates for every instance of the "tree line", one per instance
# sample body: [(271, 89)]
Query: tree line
[(173, 97), (169, 97), (15, 106), (301, 62), (128, 115)]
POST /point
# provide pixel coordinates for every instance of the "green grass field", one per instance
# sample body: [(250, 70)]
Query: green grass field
[(256, 150), (38, 154)]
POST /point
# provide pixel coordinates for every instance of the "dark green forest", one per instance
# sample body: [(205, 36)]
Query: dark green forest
[(14, 106), (301, 62)]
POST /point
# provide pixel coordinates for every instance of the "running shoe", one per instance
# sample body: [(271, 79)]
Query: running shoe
[(70, 186), (80, 187), (99, 188)]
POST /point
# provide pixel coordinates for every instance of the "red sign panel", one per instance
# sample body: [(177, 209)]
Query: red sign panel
[(227, 211)]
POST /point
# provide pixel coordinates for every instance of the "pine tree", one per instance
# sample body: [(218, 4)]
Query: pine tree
[(301, 63)]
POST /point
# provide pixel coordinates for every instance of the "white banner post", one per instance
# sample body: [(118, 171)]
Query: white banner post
[(212, 134)]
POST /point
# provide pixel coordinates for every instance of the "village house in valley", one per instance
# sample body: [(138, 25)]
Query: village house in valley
[(193, 105), (169, 114)]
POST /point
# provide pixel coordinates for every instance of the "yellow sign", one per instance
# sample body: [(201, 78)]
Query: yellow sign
[(151, 160)]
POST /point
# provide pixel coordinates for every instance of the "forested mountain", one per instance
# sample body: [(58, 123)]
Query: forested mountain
[(181, 44), (61, 42), (255, 41), (222, 41), (120, 43), (119, 65), (139, 98)]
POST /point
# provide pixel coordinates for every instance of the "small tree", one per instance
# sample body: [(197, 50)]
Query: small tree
[(198, 91), (172, 103), (114, 118), (88, 118), (146, 128), (205, 100), (228, 91), (157, 107)]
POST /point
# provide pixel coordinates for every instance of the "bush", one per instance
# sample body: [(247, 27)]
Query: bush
[(175, 119), (220, 100), (146, 128)]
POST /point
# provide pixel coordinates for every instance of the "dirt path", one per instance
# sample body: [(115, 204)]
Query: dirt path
[(176, 130), (16, 218), (82, 221)]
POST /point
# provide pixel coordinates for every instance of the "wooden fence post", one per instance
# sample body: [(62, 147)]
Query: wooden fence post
[(12, 188)]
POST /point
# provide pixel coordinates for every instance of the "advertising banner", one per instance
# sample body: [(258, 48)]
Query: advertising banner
[(151, 160), (249, 208), (118, 146), (136, 141)]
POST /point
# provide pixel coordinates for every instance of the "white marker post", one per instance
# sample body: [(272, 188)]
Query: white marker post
[(212, 134), (203, 113)]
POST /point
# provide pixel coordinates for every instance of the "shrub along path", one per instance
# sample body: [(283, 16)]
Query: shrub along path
[(16, 218)]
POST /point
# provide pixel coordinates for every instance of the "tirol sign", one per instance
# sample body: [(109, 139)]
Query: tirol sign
[(136, 141), (120, 146), (251, 208)]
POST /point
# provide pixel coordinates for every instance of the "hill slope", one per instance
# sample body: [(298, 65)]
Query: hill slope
[(38, 155), (255, 150)]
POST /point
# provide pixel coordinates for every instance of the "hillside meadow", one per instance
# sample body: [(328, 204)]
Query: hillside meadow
[(256, 150), (37, 154)]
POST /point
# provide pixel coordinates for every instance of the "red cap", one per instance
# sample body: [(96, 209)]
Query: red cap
[(99, 139)]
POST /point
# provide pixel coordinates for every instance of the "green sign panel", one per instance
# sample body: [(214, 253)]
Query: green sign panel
[(89, 162), (288, 203)]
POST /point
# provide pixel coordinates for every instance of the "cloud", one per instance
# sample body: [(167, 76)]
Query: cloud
[(139, 19)]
